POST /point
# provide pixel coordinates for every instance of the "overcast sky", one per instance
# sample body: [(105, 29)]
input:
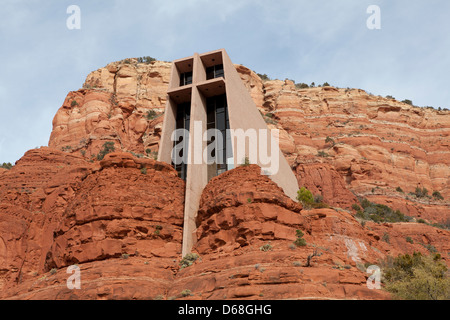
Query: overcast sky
[(321, 41)]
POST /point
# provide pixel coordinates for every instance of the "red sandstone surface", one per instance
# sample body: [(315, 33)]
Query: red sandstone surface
[(120, 219)]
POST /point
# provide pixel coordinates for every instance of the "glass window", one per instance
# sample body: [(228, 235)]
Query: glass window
[(181, 146), (214, 72), (210, 73), (218, 71), (217, 116), (185, 78)]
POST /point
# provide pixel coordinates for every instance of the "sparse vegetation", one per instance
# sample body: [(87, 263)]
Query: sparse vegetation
[(188, 260), (108, 147), (306, 198), (330, 141), (323, 154), (379, 212), (73, 103), (144, 170), (437, 195), (421, 193), (266, 247), (186, 293), (386, 238), (6, 165), (152, 154), (264, 77), (301, 86), (269, 118), (407, 101), (245, 162), (145, 59), (151, 114), (417, 277), (410, 240), (299, 242), (398, 189), (158, 229), (312, 255)]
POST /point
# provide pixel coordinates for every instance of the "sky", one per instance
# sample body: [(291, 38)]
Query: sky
[(407, 56)]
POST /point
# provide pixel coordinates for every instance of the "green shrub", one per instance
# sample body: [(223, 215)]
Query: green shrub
[(152, 154), (245, 162), (410, 240), (188, 260), (158, 229), (301, 86), (264, 77), (437, 195), (379, 212), (144, 170), (386, 238), (305, 197), (407, 101), (151, 114), (398, 189), (299, 242), (108, 147), (322, 154), (421, 193), (186, 293), (146, 59), (6, 165), (417, 277), (266, 247), (269, 118), (73, 103), (318, 198), (330, 140)]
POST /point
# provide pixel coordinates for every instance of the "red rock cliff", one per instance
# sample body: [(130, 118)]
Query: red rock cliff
[(120, 219)]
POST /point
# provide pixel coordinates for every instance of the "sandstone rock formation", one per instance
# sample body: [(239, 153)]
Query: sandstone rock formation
[(122, 227), (120, 217), (376, 144)]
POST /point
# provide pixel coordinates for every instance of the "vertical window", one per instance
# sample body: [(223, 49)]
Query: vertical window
[(181, 146), (214, 72), (185, 78), (217, 118)]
